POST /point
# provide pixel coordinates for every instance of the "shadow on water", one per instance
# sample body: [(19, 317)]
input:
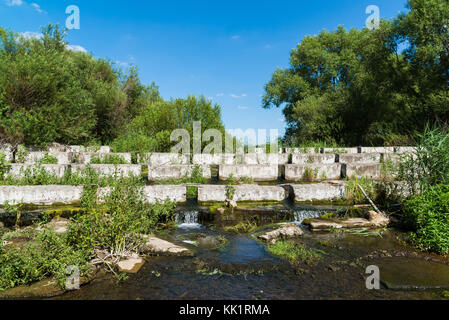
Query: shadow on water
[(237, 266)]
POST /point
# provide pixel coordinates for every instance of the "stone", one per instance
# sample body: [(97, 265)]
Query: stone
[(221, 210), (154, 245), (57, 225), (163, 159), (213, 159), (86, 157), (231, 203), (284, 232), (320, 224), (378, 220), (373, 171), (131, 265)]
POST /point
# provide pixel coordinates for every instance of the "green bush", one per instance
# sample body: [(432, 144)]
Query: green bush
[(109, 159), (428, 215), (48, 159)]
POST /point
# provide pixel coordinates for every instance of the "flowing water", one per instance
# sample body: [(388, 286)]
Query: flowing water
[(242, 267)]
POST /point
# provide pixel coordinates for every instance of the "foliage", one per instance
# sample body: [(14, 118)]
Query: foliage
[(428, 165), (242, 227), (48, 159), (359, 87), (109, 159), (428, 215), (4, 165), (294, 251), (47, 255)]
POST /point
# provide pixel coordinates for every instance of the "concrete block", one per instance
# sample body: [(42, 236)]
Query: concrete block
[(325, 191), (302, 150), (175, 172), (264, 158), (86, 157), (372, 170), (255, 172), (249, 193), (313, 172), (40, 195), (405, 149), (35, 157), (376, 149), (313, 158), (213, 159), (341, 150), (19, 170), (153, 194), (7, 150), (360, 158), (110, 170), (164, 159)]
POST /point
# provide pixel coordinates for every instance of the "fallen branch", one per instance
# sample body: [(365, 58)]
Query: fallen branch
[(369, 199)]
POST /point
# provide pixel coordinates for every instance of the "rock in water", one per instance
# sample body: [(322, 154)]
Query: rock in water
[(378, 219), (131, 265), (284, 232), (155, 245)]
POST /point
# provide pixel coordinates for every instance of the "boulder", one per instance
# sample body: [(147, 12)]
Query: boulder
[(131, 265), (321, 224), (155, 245), (378, 219), (284, 232)]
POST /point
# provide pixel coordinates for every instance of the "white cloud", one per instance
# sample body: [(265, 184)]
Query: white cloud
[(19, 3), (268, 46), (37, 7), (14, 3), (220, 94), (31, 35), (235, 96), (76, 48), (242, 107), (235, 37)]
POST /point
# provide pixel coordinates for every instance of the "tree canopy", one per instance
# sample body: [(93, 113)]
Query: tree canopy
[(49, 93), (367, 86)]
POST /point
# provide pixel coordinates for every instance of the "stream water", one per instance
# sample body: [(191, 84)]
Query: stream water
[(243, 268)]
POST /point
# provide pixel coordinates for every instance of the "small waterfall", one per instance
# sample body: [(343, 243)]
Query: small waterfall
[(301, 215), (187, 219)]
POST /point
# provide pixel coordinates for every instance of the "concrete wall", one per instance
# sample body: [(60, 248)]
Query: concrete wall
[(313, 158), (264, 158), (153, 194), (217, 193), (340, 150), (35, 157), (372, 171), (297, 172), (86, 157), (40, 195), (302, 150), (376, 149), (121, 170), (360, 158), (255, 172), (102, 149), (18, 170), (405, 149), (325, 191), (213, 159), (174, 172), (164, 159)]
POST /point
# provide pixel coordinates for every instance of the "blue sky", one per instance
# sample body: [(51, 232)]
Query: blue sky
[(225, 50)]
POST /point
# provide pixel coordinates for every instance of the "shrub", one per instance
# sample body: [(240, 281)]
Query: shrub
[(428, 215), (48, 159), (109, 159), (429, 165)]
